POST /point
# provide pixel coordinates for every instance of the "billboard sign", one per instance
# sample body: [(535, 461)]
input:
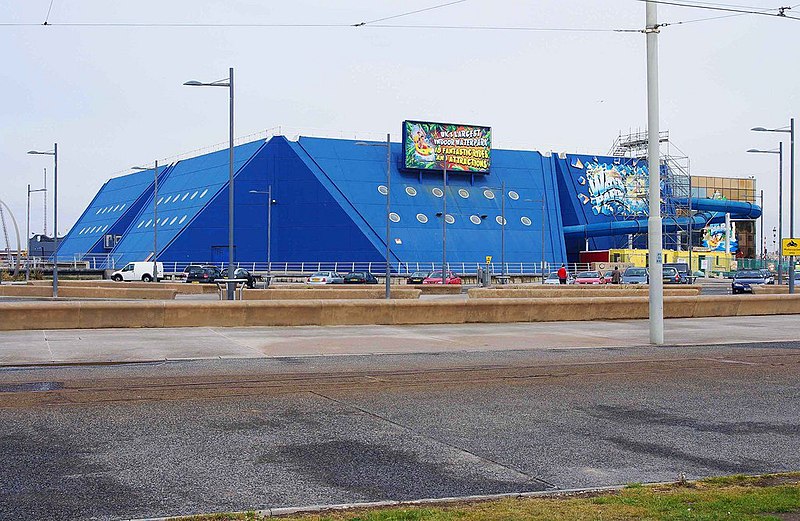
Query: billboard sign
[(436, 146), (714, 238)]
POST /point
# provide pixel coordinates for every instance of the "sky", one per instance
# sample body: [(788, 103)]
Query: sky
[(111, 94)]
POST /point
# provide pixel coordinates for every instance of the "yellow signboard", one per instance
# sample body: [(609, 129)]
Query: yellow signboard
[(790, 247), (488, 259)]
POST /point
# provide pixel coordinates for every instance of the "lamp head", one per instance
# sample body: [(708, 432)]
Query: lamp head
[(759, 129), (193, 83)]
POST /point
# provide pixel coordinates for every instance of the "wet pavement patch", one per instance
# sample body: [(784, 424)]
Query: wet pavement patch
[(31, 387), (382, 472)]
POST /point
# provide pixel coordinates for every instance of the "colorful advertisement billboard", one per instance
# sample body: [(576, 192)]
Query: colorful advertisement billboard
[(465, 148), (714, 238), (613, 188)]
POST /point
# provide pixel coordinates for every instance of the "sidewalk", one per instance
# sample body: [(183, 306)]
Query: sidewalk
[(150, 345)]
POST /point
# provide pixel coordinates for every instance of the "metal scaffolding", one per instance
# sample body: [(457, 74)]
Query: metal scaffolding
[(676, 184)]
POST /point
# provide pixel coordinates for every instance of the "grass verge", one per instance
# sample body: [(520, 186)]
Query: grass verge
[(773, 497)]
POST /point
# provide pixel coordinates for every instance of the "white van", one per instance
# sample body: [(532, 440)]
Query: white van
[(138, 271)]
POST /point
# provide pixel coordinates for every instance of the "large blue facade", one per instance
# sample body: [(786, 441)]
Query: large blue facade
[(330, 206)]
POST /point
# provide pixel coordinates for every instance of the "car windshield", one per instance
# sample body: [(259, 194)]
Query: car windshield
[(636, 272), (748, 275), (553, 276), (589, 275), (435, 275), (321, 274), (670, 272), (356, 274), (417, 274)]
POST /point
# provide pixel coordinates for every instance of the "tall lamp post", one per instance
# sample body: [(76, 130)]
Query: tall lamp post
[(779, 152), (790, 131), (54, 153), (155, 217), (28, 233), (270, 202), (227, 82), (388, 146)]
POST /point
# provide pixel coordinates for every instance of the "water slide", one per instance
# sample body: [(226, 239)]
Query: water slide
[(709, 211)]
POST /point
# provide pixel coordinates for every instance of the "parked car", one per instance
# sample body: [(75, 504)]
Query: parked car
[(325, 277), (241, 273), (770, 278), (138, 271), (553, 279), (744, 280), (203, 274), (435, 277), (670, 275), (182, 275), (683, 270), (417, 277), (634, 275), (360, 277), (590, 277)]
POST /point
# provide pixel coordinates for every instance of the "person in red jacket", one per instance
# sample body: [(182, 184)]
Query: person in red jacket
[(562, 274)]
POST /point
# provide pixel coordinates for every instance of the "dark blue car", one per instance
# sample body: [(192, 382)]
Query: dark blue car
[(744, 280)]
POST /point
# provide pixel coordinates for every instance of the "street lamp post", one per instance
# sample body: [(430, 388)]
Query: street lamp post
[(155, 217), (54, 153), (28, 234), (388, 146), (779, 152), (270, 202), (789, 131), (227, 82)]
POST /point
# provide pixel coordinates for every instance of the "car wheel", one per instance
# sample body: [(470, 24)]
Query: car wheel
[(147, 278), (117, 278)]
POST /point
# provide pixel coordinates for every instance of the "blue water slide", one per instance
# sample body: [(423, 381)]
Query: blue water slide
[(709, 211)]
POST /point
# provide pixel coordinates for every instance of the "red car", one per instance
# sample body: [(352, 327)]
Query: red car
[(590, 277), (436, 278)]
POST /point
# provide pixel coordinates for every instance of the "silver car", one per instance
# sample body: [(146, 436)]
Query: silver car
[(553, 279), (324, 277), (634, 275)]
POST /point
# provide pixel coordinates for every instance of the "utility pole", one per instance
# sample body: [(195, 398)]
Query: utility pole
[(656, 290)]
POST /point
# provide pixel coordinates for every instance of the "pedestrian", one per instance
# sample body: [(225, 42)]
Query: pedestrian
[(616, 276), (562, 274)]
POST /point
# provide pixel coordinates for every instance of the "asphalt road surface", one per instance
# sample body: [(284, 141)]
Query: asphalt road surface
[(145, 440)]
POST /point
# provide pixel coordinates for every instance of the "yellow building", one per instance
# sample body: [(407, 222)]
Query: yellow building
[(710, 262)]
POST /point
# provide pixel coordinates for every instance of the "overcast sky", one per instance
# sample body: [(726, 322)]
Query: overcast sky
[(112, 96)]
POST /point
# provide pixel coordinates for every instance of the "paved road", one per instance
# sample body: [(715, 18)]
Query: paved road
[(183, 437)]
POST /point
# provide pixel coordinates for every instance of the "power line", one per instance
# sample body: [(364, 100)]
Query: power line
[(780, 14), (47, 17), (361, 24)]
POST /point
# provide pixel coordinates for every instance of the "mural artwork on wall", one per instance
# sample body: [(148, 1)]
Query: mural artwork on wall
[(714, 238), (613, 189)]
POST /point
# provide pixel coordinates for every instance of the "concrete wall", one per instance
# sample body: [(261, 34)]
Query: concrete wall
[(182, 288), (70, 291), (361, 292), (130, 314), (556, 292)]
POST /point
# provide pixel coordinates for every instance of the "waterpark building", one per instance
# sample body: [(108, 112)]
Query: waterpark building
[(329, 205)]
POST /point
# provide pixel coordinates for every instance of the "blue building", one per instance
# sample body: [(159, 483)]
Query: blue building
[(330, 207)]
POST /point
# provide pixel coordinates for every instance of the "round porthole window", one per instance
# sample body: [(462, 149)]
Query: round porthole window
[(394, 217), (513, 195), (525, 220), (383, 190), (488, 194), (421, 217), (474, 219), (463, 193), (437, 192), (410, 190), (449, 219), (500, 220)]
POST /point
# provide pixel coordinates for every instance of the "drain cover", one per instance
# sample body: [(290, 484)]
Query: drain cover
[(31, 387)]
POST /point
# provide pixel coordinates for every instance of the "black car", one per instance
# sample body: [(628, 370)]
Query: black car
[(417, 277), (203, 274), (744, 280), (360, 277), (683, 271), (243, 274)]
